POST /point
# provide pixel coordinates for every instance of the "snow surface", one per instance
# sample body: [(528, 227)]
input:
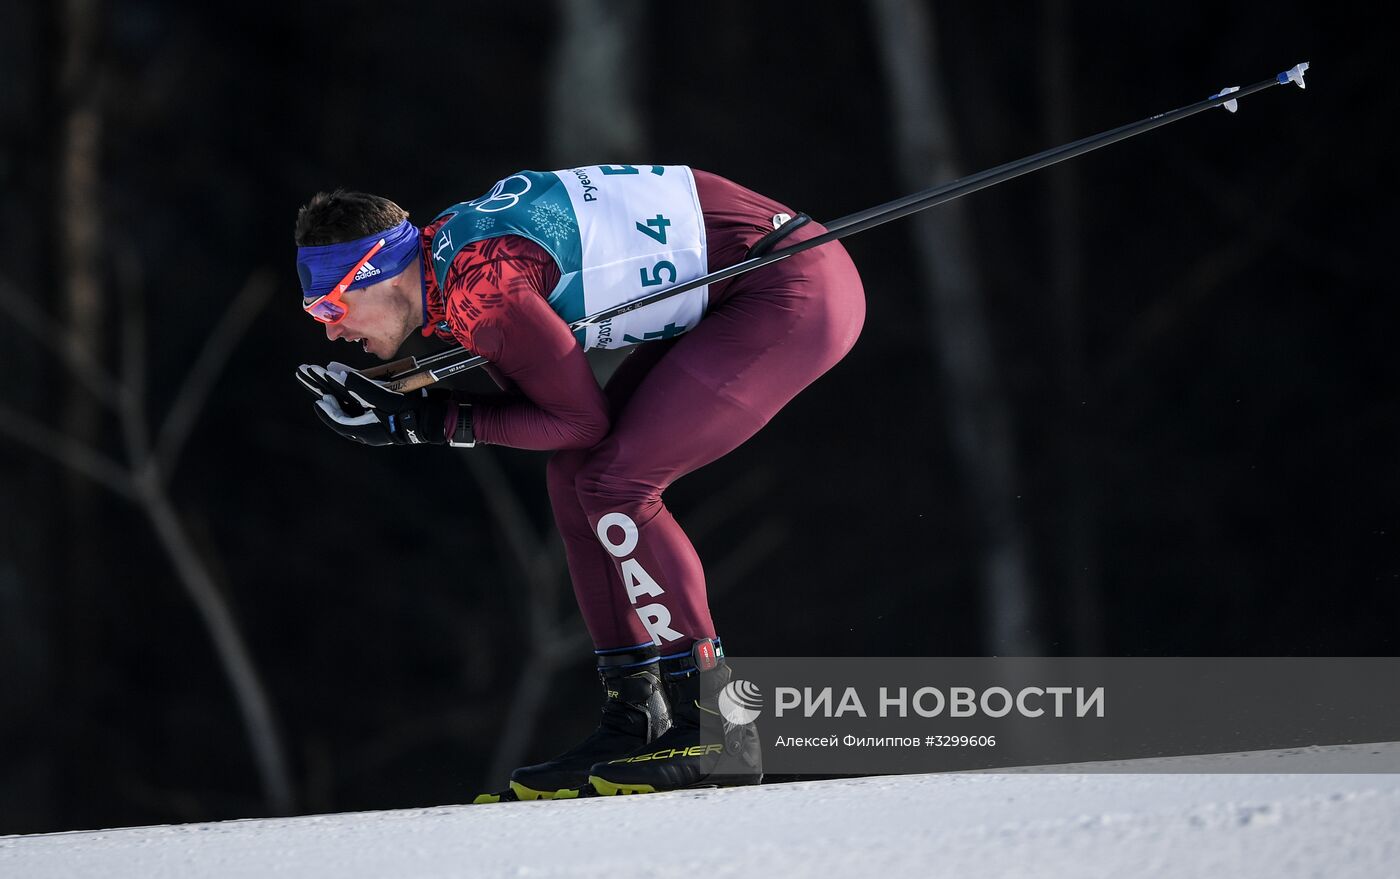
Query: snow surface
[(1217, 815)]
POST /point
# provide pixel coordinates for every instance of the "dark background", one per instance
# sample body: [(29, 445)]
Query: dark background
[(1189, 336)]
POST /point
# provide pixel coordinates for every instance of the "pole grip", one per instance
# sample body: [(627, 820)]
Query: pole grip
[(412, 383), (390, 368)]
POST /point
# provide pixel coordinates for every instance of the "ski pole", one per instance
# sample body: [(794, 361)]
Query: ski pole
[(412, 373)]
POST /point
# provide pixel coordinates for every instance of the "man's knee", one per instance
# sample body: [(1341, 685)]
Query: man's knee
[(604, 483)]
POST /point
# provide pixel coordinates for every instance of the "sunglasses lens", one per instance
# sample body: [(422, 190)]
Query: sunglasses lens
[(326, 311)]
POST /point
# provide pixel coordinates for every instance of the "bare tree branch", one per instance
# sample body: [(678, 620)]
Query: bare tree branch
[(199, 380), (77, 359), (232, 652), (30, 432), (144, 484)]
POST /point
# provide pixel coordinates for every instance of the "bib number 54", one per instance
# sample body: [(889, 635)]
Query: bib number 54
[(656, 272)]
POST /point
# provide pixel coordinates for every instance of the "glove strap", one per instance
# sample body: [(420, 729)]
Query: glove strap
[(461, 435)]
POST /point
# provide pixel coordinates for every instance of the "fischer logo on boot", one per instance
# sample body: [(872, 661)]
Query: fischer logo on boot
[(673, 754)]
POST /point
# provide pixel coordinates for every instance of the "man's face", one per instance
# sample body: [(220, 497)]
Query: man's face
[(378, 317)]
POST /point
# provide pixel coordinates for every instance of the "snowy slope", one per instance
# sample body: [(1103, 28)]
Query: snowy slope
[(1039, 822)]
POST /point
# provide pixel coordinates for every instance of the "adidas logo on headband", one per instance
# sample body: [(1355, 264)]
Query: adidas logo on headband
[(366, 271)]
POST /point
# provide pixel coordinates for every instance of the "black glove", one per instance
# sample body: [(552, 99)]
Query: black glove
[(317, 380), (361, 409)]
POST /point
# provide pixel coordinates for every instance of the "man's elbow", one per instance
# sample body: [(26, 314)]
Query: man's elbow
[(593, 430), (588, 430)]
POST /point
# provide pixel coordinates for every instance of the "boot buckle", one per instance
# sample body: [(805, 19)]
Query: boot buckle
[(703, 655)]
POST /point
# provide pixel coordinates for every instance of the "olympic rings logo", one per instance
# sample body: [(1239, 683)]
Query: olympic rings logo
[(499, 193)]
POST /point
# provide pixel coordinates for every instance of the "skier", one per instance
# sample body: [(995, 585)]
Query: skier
[(503, 275)]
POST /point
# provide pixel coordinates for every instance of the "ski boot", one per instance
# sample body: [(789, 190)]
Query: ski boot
[(634, 713), (702, 748)]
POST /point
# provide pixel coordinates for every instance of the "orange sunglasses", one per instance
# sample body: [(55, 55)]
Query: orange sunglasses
[(330, 308)]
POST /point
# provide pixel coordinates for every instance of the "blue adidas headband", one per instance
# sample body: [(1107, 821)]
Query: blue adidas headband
[(321, 268)]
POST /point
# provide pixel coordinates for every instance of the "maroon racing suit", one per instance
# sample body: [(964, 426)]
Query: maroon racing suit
[(671, 407)]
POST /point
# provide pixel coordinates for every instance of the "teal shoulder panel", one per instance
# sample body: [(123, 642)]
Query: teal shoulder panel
[(532, 204)]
